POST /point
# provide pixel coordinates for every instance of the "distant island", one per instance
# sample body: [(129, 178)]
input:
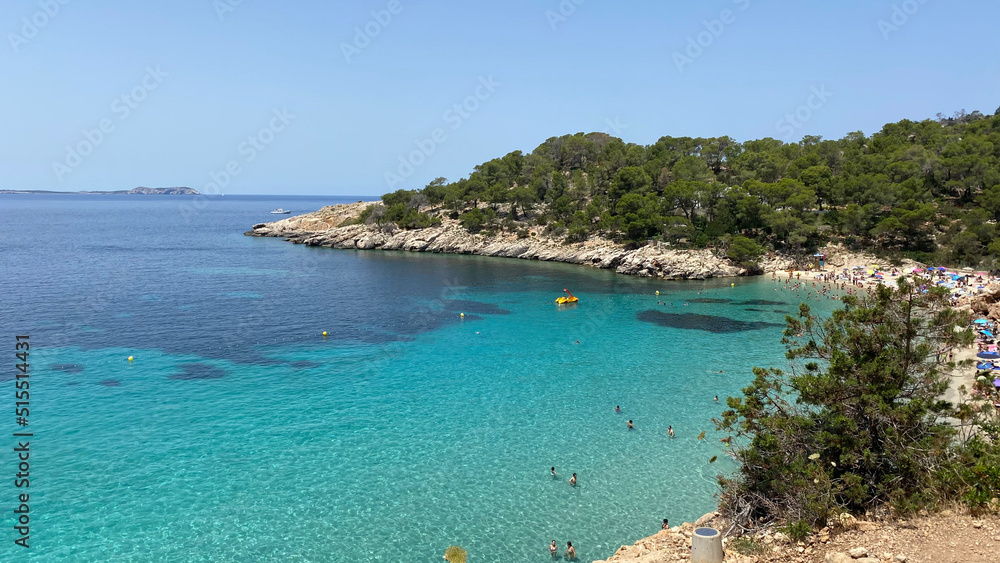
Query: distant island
[(141, 190)]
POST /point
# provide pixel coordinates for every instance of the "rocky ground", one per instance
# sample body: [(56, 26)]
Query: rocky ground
[(322, 228), (948, 537)]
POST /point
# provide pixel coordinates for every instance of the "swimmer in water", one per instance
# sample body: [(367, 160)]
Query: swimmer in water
[(553, 471), (630, 427), (665, 526), (618, 408), (572, 480), (553, 549), (670, 430), (716, 398), (570, 552)]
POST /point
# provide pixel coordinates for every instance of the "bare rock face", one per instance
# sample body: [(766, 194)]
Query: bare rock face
[(987, 304), (322, 228)]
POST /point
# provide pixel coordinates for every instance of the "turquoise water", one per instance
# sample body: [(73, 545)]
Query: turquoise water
[(241, 434)]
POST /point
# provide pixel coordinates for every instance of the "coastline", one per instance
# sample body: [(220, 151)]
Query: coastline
[(323, 228)]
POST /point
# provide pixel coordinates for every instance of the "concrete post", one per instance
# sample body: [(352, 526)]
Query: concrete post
[(706, 546)]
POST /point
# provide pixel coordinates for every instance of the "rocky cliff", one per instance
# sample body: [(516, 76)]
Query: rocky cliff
[(322, 228)]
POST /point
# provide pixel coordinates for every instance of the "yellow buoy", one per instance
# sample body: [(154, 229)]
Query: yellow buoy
[(462, 315), (657, 291), (130, 358), (324, 334), (732, 285)]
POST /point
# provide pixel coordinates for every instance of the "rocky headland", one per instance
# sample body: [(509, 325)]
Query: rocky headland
[(335, 227)]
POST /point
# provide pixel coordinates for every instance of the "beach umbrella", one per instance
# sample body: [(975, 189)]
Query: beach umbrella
[(996, 382), (984, 365), (988, 355), (981, 321), (940, 269), (988, 333)]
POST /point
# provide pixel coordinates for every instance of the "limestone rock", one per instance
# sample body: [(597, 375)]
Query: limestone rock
[(837, 557), (859, 552), (704, 520)]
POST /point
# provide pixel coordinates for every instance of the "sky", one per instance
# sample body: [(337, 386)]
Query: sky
[(370, 96)]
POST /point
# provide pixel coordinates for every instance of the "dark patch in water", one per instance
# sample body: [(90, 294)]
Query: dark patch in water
[(67, 368), (72, 383), (708, 323), (756, 310), (305, 364), (710, 300), (199, 371), (465, 306), (760, 302), (6, 376), (782, 312), (110, 383)]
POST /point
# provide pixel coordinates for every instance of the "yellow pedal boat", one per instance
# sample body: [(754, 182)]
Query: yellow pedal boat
[(567, 300)]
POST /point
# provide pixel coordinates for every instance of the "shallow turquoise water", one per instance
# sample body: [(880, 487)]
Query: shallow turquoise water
[(244, 435)]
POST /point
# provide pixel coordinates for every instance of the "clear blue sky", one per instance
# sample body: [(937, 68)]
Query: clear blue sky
[(608, 66)]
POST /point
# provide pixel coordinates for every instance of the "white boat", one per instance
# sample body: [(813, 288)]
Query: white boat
[(280, 211)]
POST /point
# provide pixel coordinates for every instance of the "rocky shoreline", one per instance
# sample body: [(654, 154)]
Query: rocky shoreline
[(323, 228)]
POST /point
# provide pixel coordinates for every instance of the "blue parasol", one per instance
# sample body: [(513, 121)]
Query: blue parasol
[(988, 355), (984, 365), (981, 321), (988, 333), (940, 269)]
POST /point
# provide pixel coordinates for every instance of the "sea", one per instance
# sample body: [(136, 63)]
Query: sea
[(201, 395)]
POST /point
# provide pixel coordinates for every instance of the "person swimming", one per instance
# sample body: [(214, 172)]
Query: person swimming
[(553, 471), (665, 526), (570, 552), (716, 398), (630, 427), (618, 408), (670, 430), (554, 549), (572, 480)]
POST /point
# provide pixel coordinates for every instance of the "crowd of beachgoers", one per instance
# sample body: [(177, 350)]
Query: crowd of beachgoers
[(963, 284)]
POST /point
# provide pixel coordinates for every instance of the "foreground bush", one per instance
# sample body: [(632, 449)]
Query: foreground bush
[(858, 422)]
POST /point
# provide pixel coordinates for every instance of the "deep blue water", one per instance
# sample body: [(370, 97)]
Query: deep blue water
[(240, 433)]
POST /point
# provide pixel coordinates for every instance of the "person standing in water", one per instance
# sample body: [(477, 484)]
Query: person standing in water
[(665, 526), (618, 408), (630, 427), (570, 552), (572, 480), (553, 470), (553, 549), (670, 430)]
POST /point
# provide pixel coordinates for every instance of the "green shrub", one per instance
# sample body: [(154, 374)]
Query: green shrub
[(798, 530), (745, 545)]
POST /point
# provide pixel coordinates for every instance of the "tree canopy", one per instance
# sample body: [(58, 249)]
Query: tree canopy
[(928, 190)]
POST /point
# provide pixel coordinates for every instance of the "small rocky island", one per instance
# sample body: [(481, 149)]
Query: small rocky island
[(337, 226)]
